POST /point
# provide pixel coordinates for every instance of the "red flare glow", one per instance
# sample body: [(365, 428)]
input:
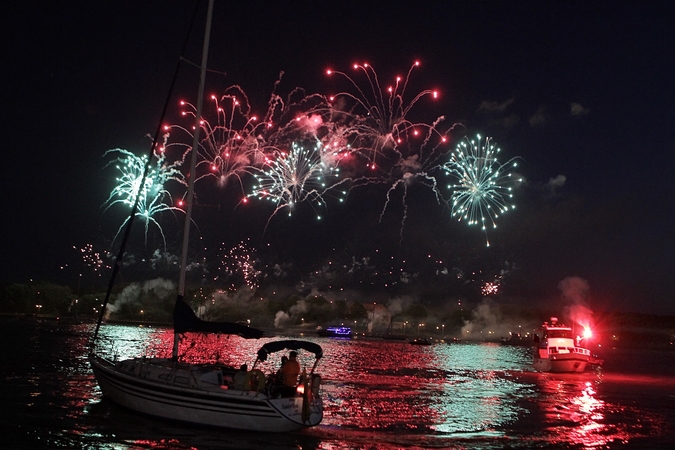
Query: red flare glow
[(587, 334)]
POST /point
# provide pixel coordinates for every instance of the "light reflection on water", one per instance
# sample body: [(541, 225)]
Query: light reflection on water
[(378, 395)]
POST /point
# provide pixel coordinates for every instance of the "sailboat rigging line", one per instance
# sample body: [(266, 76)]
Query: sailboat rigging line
[(134, 208), (207, 70), (193, 165)]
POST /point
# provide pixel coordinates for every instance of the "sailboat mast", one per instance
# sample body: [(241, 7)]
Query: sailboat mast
[(193, 164)]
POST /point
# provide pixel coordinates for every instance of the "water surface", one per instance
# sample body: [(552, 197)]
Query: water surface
[(378, 395)]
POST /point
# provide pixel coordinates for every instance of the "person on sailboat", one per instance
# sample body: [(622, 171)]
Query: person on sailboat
[(291, 370), (240, 378), (279, 378)]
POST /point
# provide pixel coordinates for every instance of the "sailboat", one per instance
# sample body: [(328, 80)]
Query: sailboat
[(205, 394)]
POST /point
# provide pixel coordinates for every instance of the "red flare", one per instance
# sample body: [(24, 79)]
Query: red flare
[(587, 334)]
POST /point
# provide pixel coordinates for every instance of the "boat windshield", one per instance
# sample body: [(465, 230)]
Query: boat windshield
[(559, 334)]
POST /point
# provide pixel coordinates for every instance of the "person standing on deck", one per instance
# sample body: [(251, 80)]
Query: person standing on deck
[(291, 370)]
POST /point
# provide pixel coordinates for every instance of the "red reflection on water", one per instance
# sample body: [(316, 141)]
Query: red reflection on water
[(574, 412), (372, 385)]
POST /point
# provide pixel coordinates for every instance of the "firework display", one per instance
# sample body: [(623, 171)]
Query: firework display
[(304, 147), (484, 189), (153, 195), (240, 261)]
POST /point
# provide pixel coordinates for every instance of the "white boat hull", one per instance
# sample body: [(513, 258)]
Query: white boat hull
[(561, 363), (202, 403)]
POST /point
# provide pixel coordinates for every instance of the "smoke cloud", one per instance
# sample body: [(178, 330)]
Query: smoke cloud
[(575, 292), (159, 287)]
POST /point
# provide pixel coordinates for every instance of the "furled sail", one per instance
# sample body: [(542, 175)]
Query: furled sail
[(185, 320)]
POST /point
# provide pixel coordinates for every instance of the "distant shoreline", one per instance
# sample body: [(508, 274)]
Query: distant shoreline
[(637, 336)]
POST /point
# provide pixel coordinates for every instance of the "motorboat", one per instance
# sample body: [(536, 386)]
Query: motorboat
[(558, 349), (339, 332)]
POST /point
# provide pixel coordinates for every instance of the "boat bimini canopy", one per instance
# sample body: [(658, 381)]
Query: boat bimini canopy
[(291, 344)]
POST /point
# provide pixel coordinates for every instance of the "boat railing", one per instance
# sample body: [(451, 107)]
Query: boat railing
[(566, 350)]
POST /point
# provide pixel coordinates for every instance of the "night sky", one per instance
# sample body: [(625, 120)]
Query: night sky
[(582, 92)]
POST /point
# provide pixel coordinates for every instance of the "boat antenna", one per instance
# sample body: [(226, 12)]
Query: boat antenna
[(134, 208), (193, 164)]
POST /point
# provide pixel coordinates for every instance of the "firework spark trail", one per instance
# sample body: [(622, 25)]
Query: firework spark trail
[(91, 258), (241, 260), (154, 197), (231, 147), (375, 119), (484, 189), (399, 152), (240, 142), (295, 177), (297, 117), (489, 288), (418, 168)]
